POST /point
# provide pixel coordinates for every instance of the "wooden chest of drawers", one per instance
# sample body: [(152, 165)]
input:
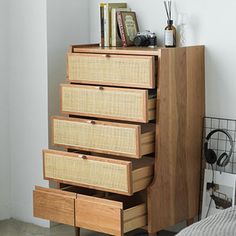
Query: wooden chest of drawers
[(131, 139)]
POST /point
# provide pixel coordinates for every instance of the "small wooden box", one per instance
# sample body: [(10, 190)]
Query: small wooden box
[(113, 175), (109, 69), (106, 102), (129, 140)]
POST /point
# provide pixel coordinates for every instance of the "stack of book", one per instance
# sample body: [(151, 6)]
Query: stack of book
[(118, 25)]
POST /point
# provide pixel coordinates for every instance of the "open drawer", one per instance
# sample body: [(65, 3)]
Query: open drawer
[(137, 105), (113, 214), (121, 176), (128, 140), (55, 205), (110, 69)]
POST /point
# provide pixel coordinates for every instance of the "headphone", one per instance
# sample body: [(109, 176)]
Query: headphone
[(210, 154)]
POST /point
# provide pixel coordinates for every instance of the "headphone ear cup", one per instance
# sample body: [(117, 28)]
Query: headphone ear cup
[(223, 160), (211, 156)]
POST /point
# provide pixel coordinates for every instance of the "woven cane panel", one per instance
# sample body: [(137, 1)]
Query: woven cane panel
[(111, 176), (132, 71), (124, 104), (115, 139)]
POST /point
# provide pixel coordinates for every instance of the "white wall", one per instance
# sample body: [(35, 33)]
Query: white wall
[(213, 25), (4, 102), (28, 103), (67, 24), (28, 72)]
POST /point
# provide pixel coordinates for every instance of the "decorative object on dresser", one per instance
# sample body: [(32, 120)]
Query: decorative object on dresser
[(128, 27), (170, 30), (115, 33), (146, 38), (131, 138), (106, 21)]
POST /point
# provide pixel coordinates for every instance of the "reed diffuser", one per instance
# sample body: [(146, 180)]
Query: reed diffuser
[(170, 30)]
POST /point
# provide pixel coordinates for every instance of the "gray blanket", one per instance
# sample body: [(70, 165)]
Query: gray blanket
[(220, 224)]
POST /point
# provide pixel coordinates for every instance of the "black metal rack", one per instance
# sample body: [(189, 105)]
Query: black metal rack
[(219, 142)]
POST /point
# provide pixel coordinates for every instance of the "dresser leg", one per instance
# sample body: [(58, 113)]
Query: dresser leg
[(77, 231), (190, 221)]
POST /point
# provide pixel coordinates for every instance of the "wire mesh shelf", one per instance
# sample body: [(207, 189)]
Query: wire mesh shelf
[(219, 142)]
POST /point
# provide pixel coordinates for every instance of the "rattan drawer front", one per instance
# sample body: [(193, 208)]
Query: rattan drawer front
[(119, 176), (119, 70), (55, 205), (106, 102), (104, 137), (113, 217)]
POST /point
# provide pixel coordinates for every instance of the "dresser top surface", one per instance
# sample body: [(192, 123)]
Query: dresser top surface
[(95, 48)]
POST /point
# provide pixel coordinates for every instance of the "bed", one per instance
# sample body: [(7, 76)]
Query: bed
[(220, 224)]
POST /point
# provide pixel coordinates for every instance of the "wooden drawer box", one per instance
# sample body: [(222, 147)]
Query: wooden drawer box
[(107, 69), (114, 215), (105, 102), (120, 176), (54, 205), (121, 139)]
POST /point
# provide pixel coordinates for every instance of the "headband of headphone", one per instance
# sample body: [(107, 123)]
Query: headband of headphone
[(221, 131)]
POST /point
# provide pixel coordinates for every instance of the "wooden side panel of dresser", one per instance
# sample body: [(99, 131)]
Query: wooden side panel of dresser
[(174, 193)]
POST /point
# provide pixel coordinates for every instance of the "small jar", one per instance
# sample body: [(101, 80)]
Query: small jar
[(170, 34)]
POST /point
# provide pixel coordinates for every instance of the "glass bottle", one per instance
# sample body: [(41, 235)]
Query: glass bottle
[(170, 34)]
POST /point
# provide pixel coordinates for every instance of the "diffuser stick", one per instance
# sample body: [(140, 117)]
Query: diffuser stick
[(167, 11)]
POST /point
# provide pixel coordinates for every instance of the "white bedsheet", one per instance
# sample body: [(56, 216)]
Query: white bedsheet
[(220, 224)]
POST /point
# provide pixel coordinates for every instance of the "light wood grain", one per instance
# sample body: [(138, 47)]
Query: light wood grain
[(116, 50), (181, 110), (102, 216), (54, 206), (109, 216), (135, 217)]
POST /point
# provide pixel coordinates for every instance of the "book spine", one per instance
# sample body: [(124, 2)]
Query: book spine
[(102, 24), (106, 26), (121, 28), (113, 28)]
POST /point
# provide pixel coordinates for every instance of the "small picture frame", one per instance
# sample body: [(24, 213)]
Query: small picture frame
[(222, 195), (128, 25)]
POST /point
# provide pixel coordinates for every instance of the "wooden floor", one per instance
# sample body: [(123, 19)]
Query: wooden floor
[(16, 228)]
